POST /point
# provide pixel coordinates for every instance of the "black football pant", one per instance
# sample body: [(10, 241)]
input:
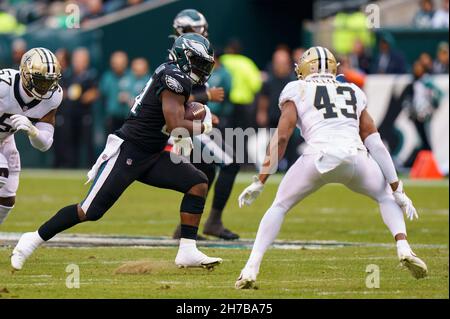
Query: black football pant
[(132, 164)]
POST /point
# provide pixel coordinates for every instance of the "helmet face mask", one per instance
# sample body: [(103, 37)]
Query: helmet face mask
[(40, 73), (194, 56)]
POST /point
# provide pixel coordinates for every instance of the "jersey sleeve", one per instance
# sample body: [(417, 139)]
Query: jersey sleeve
[(176, 81), (289, 92), (361, 98), (56, 98)]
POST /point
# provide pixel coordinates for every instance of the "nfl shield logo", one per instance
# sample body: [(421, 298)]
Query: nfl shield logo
[(129, 161)]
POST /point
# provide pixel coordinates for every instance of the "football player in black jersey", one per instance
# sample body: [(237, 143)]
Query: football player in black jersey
[(192, 21), (135, 153)]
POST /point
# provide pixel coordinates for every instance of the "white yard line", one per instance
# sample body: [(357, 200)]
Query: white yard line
[(83, 240), (242, 178)]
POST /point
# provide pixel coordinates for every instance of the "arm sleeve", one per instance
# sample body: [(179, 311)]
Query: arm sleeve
[(288, 93), (44, 138), (380, 154)]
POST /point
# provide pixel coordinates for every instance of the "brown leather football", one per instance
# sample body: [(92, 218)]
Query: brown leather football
[(194, 111)]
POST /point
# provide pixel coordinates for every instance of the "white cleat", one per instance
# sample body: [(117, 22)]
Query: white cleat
[(194, 258), (414, 264), (27, 244), (247, 280)]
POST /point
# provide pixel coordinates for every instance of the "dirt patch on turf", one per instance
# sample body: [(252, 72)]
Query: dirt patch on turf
[(143, 267)]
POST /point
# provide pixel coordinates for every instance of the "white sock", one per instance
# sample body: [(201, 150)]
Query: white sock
[(4, 212), (187, 243), (267, 232), (403, 244), (392, 216)]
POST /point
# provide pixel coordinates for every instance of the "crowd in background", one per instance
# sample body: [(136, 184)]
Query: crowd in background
[(18, 15), (251, 93)]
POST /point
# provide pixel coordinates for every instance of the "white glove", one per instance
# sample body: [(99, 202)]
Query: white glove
[(21, 122), (207, 122), (405, 202), (182, 146), (251, 192)]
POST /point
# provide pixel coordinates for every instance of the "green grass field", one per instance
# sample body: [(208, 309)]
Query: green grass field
[(333, 213)]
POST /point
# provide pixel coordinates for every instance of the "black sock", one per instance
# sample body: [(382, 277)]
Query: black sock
[(189, 232), (64, 219), (214, 218), (224, 186)]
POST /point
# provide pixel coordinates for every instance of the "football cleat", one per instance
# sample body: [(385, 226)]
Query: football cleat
[(27, 244), (414, 264), (247, 280), (194, 258)]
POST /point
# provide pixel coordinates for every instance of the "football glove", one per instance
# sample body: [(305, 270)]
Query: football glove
[(207, 122), (182, 146), (251, 192), (405, 202), (21, 122)]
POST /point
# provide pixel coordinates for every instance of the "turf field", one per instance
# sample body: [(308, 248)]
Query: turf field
[(328, 271)]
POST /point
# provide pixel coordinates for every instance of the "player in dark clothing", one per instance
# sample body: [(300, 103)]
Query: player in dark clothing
[(135, 153), (192, 21)]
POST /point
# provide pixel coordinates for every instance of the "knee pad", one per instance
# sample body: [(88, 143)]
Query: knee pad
[(192, 204), (4, 170)]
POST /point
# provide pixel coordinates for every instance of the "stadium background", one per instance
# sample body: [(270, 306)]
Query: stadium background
[(326, 243), (142, 29)]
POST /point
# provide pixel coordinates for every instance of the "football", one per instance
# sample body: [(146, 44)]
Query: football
[(194, 111)]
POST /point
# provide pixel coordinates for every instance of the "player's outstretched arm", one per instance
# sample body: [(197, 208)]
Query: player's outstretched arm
[(173, 109), (275, 151), (41, 134), (372, 140)]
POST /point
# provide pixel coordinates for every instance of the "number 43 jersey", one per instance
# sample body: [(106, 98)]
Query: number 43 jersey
[(13, 100), (328, 112)]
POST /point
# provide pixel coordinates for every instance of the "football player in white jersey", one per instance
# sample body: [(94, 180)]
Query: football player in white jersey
[(29, 98), (343, 146)]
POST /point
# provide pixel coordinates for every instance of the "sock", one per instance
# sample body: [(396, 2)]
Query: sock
[(224, 186), (403, 244), (189, 232), (187, 243), (267, 232), (214, 218), (64, 219), (392, 216), (4, 212)]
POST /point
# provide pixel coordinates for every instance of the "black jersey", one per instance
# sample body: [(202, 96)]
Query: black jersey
[(144, 125)]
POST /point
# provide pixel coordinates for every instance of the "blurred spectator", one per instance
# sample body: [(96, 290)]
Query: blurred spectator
[(421, 97), (268, 112), (440, 65), (440, 18), (18, 48), (62, 158), (246, 82), (359, 58), (427, 62), (9, 24), (137, 79), (297, 54), (113, 84), (424, 17), (389, 60), (346, 73), (81, 94), (220, 77)]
